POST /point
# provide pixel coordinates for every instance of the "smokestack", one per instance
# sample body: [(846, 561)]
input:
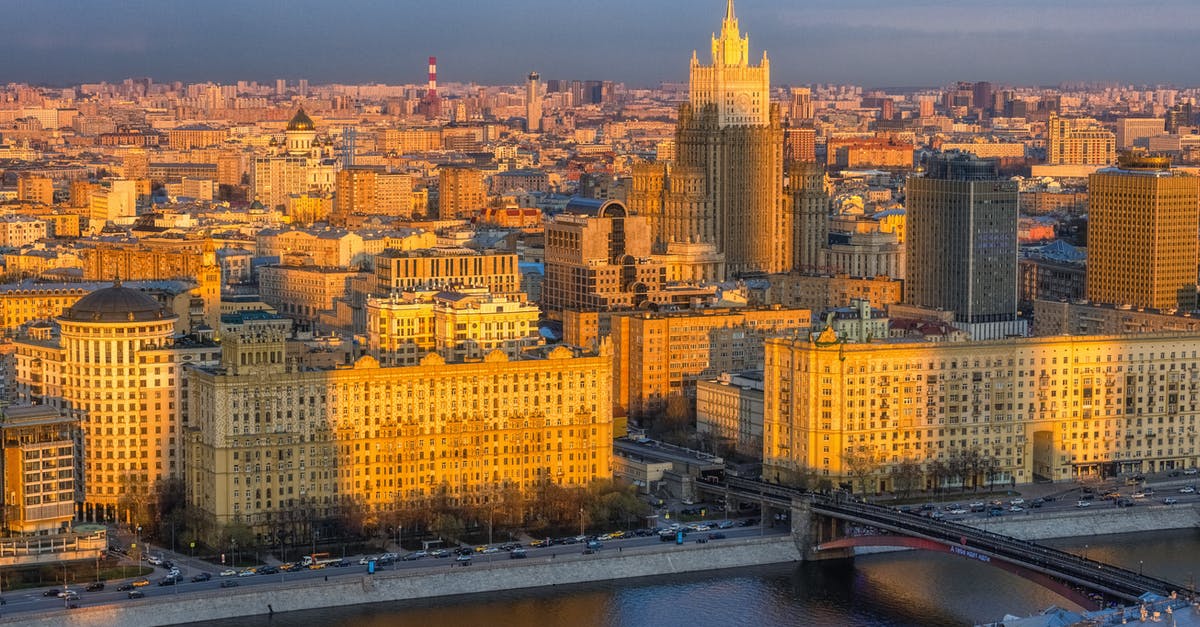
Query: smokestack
[(432, 77)]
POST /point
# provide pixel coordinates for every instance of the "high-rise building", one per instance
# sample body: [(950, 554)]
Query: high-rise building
[(800, 109), (1142, 246), (1132, 131), (730, 131), (35, 189), (1078, 141), (533, 103), (461, 192), (38, 449), (808, 198), (962, 244), (116, 367), (598, 259), (799, 144)]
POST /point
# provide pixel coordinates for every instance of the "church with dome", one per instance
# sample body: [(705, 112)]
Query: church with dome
[(303, 164)]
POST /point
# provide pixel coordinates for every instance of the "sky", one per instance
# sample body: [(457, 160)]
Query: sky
[(875, 43)]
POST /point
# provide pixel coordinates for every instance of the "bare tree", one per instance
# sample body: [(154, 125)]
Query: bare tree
[(906, 476), (860, 464)]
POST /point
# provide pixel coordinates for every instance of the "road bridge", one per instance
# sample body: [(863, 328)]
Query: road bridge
[(830, 526)]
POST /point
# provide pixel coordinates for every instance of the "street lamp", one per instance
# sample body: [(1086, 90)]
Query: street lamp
[(1140, 563)]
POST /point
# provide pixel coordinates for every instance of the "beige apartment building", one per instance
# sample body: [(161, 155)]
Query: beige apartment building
[(467, 324), (304, 291), (1079, 141), (113, 364), (40, 484), (1030, 408), (657, 356), (445, 268), (461, 192), (270, 442), (818, 293)]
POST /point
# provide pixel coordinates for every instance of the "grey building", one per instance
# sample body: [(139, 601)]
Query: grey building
[(962, 244)]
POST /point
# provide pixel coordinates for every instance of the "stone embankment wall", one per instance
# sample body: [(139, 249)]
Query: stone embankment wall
[(402, 585), (1100, 519)]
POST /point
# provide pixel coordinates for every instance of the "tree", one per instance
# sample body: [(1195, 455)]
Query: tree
[(448, 527), (860, 464), (906, 476)]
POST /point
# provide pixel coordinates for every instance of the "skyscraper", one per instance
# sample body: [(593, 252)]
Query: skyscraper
[(731, 132), (962, 244), (1142, 247), (533, 103)]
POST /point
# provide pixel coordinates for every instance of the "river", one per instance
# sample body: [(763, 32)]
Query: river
[(891, 589)]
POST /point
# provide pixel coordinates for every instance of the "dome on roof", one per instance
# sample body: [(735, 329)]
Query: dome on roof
[(116, 304), (301, 122), (257, 206)]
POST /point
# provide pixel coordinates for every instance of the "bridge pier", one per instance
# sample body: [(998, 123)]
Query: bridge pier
[(810, 530)]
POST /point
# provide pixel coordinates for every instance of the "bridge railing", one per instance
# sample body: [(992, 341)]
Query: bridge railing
[(1111, 576)]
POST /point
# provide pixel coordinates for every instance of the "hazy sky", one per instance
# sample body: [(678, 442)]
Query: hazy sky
[(640, 42)]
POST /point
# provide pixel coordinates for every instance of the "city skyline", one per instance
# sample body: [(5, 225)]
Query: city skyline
[(921, 43)]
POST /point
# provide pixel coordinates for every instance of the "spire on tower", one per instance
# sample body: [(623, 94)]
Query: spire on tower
[(730, 16)]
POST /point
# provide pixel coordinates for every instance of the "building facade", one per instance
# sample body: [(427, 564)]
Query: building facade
[(270, 442), (890, 415), (1142, 244), (40, 471), (962, 243)]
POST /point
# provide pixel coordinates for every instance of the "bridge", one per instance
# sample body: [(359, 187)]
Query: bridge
[(830, 526)]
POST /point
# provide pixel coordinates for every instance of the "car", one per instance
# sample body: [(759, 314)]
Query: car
[(174, 572), (978, 507), (958, 511), (366, 559), (1170, 500), (341, 564), (726, 524), (465, 559), (66, 593), (1187, 489), (717, 536), (249, 572), (1083, 504), (138, 583), (269, 570), (439, 553), (936, 515), (491, 549), (202, 577), (995, 511), (229, 583), (52, 592), (1191, 471), (229, 572), (1138, 495), (1123, 502), (1017, 502), (1148, 491), (125, 587), (517, 554), (154, 560), (594, 545), (1111, 496), (1016, 508), (412, 557), (94, 586), (169, 580), (538, 544), (136, 594), (1038, 502)]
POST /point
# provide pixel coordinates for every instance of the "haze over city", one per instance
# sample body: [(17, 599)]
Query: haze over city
[(872, 42)]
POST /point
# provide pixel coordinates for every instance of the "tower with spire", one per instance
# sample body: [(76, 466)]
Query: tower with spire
[(729, 142)]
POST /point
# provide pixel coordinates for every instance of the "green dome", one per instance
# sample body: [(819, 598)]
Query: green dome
[(301, 122)]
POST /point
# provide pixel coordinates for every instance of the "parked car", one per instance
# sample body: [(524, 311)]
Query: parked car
[(94, 586)]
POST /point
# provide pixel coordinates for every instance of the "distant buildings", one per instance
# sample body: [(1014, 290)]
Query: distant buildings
[(1079, 141), (461, 192)]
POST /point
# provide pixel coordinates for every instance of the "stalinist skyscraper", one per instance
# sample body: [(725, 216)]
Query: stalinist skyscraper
[(729, 142)]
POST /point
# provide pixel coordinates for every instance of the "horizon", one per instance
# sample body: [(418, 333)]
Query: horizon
[(861, 42)]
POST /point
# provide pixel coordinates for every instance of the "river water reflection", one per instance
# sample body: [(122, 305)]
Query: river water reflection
[(905, 588)]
